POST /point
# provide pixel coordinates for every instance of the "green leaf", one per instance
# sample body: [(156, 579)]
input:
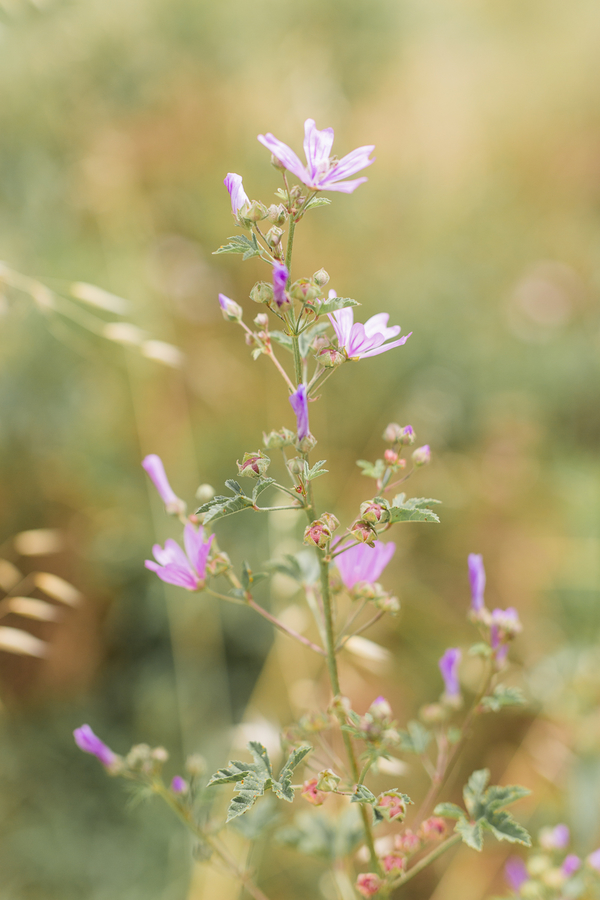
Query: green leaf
[(371, 470), (261, 485), (283, 339), (412, 510), (307, 337), (449, 811), (261, 757), (497, 797), (233, 773), (416, 739), (471, 833), (288, 566), (503, 696), (316, 202), (335, 303), (480, 649), (362, 794), (234, 486), (473, 792), (220, 506), (505, 828), (317, 470), (239, 243), (283, 787)]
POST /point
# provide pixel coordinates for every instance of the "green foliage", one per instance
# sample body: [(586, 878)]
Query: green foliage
[(307, 337), (221, 506), (315, 834), (316, 202), (335, 303), (413, 510), (239, 243), (372, 470), (480, 649), (503, 696), (416, 739), (253, 779), (283, 339), (486, 812), (362, 794)]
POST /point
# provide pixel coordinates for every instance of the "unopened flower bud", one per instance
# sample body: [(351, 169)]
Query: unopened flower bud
[(277, 214), (422, 455), (391, 457), (261, 320), (230, 309), (331, 521), (256, 211), (317, 534), (329, 357), (392, 805), (327, 780), (388, 604), (250, 339), (274, 235), (138, 755), (394, 862), (311, 793), (296, 466), (304, 289), (179, 785), (160, 755), (254, 464), (296, 192), (308, 443), (340, 705), (408, 842), (195, 764), (204, 493), (275, 440), (363, 532), (262, 292), (374, 512), (433, 829), (321, 277), (380, 709), (219, 564), (368, 884), (408, 435), (276, 163), (392, 433)]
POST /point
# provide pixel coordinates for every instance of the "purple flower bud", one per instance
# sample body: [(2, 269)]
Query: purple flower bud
[(422, 455), (230, 309), (594, 860), (234, 185), (555, 838), (179, 785), (380, 709), (515, 871), (155, 469), (448, 667), (87, 741), (477, 580), (570, 865), (299, 401), (280, 279)]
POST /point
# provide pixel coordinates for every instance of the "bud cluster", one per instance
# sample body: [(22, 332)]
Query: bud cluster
[(319, 533)]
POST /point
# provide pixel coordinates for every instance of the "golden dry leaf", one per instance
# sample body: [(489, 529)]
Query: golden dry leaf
[(13, 640), (34, 609), (58, 588), (38, 542)]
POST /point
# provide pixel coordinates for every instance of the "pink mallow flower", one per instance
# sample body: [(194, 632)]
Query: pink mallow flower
[(322, 172), (570, 865), (515, 872), (363, 563), (280, 279), (238, 195), (87, 741), (154, 467), (359, 341), (368, 884), (187, 570), (449, 668), (299, 401), (477, 581)]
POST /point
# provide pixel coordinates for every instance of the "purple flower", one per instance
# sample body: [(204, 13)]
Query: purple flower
[(477, 581), (359, 341), (299, 402), (594, 860), (280, 279), (363, 563), (188, 569), (238, 195), (87, 741), (155, 469), (230, 309), (179, 785), (322, 172), (421, 456), (449, 668), (504, 623), (515, 871), (570, 865)]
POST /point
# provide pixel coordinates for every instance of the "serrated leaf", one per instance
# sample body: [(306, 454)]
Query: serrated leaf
[(316, 202), (244, 801), (333, 304), (416, 739), (307, 337), (505, 828), (284, 340), (449, 811), (261, 485), (412, 510), (371, 470), (499, 796), (471, 833), (283, 787), (219, 507), (234, 486), (362, 794), (288, 566), (261, 756), (239, 243), (233, 773), (503, 696), (317, 470), (473, 792), (480, 649)]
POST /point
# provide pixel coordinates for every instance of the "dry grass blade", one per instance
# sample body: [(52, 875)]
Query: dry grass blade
[(58, 588), (13, 640), (9, 575), (38, 542), (34, 609)]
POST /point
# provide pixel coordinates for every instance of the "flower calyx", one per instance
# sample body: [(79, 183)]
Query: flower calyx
[(363, 532), (319, 533), (255, 465)]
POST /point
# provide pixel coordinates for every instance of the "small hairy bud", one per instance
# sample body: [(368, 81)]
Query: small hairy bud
[(408, 842), (277, 439), (433, 829), (304, 289), (250, 339), (204, 493), (321, 278), (380, 709), (330, 521), (256, 211), (329, 357), (421, 456), (364, 532), (308, 443), (160, 755), (311, 793), (340, 705), (231, 310), (327, 780), (318, 534), (296, 465), (274, 236), (277, 214), (388, 604), (408, 435), (138, 755), (393, 862), (254, 464), (392, 805), (391, 457), (261, 320), (374, 512), (262, 292), (276, 163), (195, 764), (219, 564), (368, 884), (392, 433)]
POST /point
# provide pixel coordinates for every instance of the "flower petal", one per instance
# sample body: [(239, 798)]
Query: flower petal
[(385, 347), (284, 154), (317, 147), (353, 162)]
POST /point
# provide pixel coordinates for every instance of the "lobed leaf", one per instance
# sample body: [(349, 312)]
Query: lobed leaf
[(333, 304), (416, 739), (471, 833), (239, 243), (505, 828), (362, 794), (503, 696), (449, 811)]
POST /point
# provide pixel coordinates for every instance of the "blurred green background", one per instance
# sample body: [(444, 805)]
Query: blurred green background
[(478, 230)]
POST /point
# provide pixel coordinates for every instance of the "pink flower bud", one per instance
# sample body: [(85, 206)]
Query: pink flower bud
[(179, 785), (408, 842), (393, 805), (380, 709), (391, 457), (318, 534), (155, 469), (311, 793), (368, 884), (364, 532), (433, 829), (421, 456), (394, 861), (254, 464)]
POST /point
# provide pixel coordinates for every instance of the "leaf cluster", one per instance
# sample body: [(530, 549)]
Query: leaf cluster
[(239, 243), (221, 506)]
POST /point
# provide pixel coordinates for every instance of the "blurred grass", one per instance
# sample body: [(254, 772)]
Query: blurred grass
[(478, 231)]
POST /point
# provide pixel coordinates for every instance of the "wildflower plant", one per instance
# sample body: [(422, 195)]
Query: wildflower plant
[(330, 756)]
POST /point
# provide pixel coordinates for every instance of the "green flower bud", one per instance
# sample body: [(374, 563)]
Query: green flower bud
[(388, 604), (374, 512), (296, 466), (421, 456), (304, 289), (256, 211), (275, 440), (219, 564), (262, 292), (327, 780), (364, 532), (274, 236), (307, 443), (261, 320), (392, 805), (321, 278), (254, 465), (330, 357), (276, 163), (277, 214), (318, 533), (330, 521)]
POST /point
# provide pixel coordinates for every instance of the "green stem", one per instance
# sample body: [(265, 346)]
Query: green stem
[(297, 359), (290, 245), (427, 860)]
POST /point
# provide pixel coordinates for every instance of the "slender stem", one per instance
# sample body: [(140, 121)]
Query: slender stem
[(320, 381), (290, 245), (427, 860), (289, 631), (275, 508), (297, 358), (362, 628), (281, 370), (350, 620)]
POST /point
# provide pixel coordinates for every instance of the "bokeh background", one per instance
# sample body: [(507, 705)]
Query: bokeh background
[(478, 230)]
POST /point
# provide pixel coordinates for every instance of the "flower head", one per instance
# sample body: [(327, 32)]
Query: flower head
[(322, 172), (230, 309), (449, 668), (87, 741), (187, 570), (421, 456), (363, 563), (515, 871), (570, 865), (238, 195), (311, 793), (179, 785), (477, 581), (368, 884), (299, 401), (280, 279), (154, 467), (359, 341), (504, 625)]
